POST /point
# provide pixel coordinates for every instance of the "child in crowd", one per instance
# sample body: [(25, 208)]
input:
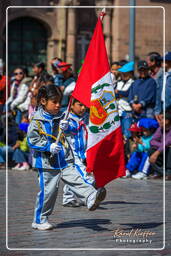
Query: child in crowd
[(157, 147), (77, 138), (42, 134), (21, 149), (139, 159)]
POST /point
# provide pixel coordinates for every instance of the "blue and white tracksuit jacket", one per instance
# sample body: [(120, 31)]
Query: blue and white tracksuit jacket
[(139, 159), (77, 137), (42, 127)]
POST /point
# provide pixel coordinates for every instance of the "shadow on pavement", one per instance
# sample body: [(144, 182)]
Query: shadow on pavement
[(93, 224), (142, 225), (120, 202)]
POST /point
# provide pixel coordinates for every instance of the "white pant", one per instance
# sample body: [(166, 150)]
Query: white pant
[(49, 183)]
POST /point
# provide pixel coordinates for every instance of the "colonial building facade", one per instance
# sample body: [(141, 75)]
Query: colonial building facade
[(47, 29)]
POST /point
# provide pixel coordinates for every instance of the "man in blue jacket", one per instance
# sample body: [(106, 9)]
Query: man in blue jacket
[(142, 94), (164, 92)]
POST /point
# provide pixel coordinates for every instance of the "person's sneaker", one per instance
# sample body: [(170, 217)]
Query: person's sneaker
[(18, 166), (95, 198), (72, 204), (139, 176), (128, 174), (23, 168), (42, 226)]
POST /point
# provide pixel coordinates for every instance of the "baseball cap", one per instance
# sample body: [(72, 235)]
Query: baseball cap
[(135, 128), (128, 67), (142, 64), (64, 66)]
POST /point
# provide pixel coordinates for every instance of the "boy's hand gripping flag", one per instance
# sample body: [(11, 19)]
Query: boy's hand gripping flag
[(105, 151)]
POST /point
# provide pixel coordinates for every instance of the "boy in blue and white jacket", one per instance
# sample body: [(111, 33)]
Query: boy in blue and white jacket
[(77, 138)]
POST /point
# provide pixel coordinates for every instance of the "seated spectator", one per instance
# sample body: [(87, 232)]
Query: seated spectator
[(142, 94), (21, 149), (19, 102), (122, 88), (12, 138), (157, 147), (139, 159)]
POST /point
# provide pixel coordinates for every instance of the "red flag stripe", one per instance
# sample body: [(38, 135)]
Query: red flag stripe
[(93, 68)]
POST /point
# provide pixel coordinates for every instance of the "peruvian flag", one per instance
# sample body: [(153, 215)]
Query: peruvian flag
[(105, 151)]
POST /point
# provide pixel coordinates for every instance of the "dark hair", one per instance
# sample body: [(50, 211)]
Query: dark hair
[(23, 70), (74, 101), (39, 65), (115, 63), (123, 62), (155, 56), (49, 92)]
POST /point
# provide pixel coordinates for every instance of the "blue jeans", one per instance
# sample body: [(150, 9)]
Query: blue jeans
[(126, 121), (18, 117), (3, 153), (20, 156)]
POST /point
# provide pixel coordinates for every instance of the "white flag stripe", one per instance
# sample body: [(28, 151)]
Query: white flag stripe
[(104, 117)]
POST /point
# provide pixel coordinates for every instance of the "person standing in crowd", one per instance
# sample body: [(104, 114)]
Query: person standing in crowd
[(3, 86), (157, 147), (142, 94), (68, 82), (114, 71), (154, 63), (41, 136), (58, 78), (164, 91), (41, 78), (122, 88)]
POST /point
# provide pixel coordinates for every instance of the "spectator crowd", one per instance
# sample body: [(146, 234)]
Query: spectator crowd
[(143, 95)]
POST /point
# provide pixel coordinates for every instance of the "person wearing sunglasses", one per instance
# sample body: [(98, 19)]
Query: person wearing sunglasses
[(18, 92)]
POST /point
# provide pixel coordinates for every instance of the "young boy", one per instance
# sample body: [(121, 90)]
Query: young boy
[(77, 138)]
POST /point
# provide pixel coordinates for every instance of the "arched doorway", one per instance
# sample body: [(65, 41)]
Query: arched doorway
[(27, 42)]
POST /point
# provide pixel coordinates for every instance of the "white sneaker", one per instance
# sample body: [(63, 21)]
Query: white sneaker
[(16, 167), (128, 174), (42, 226), (94, 199), (139, 176), (23, 168)]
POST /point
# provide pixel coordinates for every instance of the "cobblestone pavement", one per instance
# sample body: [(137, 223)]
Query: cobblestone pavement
[(130, 206)]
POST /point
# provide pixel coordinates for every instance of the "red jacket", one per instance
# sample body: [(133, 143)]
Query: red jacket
[(3, 90)]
